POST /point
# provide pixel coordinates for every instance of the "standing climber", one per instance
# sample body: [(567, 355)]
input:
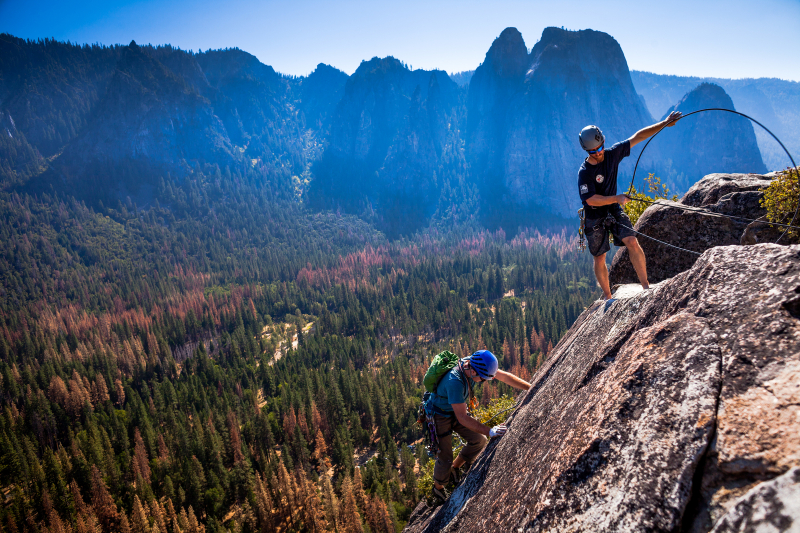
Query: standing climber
[(597, 182), (449, 404)]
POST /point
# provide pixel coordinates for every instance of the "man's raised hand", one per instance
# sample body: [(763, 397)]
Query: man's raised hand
[(673, 117)]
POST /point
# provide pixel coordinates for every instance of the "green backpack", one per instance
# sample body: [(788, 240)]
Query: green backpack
[(441, 365)]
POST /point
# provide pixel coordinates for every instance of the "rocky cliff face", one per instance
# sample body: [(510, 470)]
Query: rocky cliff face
[(737, 195), (773, 102), (713, 141), (320, 93), (674, 409), (525, 112), (389, 137)]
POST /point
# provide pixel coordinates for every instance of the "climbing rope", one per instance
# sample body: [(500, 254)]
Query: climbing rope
[(794, 168), (516, 404), (664, 243), (500, 413), (712, 213)]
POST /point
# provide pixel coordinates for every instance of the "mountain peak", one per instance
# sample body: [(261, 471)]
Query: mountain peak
[(508, 55), (703, 96), (710, 142)]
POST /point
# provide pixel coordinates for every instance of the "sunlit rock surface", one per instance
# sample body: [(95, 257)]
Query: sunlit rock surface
[(737, 195), (659, 410)]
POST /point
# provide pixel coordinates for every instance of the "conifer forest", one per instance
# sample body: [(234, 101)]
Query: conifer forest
[(218, 355)]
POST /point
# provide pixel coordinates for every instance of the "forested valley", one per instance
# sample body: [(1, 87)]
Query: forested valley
[(201, 350)]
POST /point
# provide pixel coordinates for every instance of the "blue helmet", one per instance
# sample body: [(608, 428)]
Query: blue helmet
[(484, 363)]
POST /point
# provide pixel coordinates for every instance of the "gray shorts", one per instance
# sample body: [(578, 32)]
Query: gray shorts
[(616, 223)]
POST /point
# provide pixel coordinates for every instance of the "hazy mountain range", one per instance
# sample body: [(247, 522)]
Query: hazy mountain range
[(402, 148)]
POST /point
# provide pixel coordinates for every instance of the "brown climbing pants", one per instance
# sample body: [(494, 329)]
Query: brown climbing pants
[(445, 426)]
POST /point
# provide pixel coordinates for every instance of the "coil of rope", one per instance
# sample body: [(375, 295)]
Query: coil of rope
[(705, 211)]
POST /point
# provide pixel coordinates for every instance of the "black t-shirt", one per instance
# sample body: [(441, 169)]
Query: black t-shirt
[(601, 179)]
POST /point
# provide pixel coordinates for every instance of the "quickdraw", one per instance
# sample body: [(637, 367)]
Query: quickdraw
[(427, 421), (582, 230)]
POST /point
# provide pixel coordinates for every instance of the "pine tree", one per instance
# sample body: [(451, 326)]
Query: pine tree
[(315, 514), (140, 463), (526, 353), (358, 490), (183, 521), (163, 451), (349, 519), (157, 513), (320, 450), (236, 440), (139, 522), (287, 490), (171, 517), (264, 506), (56, 525), (124, 524), (194, 526), (103, 503), (329, 500)]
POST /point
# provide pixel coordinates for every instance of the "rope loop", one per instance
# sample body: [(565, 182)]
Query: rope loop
[(794, 168)]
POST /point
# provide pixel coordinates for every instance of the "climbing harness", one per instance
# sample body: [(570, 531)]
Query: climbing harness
[(794, 168)]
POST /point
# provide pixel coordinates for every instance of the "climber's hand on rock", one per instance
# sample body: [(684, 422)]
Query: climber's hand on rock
[(673, 117), (498, 431)]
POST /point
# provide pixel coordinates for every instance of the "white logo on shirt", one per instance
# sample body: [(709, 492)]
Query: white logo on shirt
[(584, 189), (599, 178)]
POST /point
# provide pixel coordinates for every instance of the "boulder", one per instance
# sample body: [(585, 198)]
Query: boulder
[(657, 411), (771, 506), (730, 194)]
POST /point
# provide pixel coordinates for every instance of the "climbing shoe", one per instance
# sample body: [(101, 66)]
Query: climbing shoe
[(457, 475), (439, 495)]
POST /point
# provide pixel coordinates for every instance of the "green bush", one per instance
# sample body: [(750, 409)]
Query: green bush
[(659, 190), (780, 199)]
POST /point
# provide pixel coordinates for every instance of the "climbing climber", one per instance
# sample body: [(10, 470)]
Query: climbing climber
[(602, 206), (448, 405)]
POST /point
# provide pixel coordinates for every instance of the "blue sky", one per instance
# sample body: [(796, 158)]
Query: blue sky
[(729, 39)]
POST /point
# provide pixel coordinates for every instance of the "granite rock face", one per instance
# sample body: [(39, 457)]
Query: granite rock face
[(320, 92), (149, 122), (771, 506), (731, 194), (525, 113), (657, 411), (394, 132), (712, 141)]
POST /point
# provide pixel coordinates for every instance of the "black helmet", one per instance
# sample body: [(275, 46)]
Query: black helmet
[(591, 138)]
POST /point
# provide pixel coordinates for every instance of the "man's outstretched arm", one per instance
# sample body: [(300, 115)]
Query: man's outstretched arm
[(649, 131), (510, 379)]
